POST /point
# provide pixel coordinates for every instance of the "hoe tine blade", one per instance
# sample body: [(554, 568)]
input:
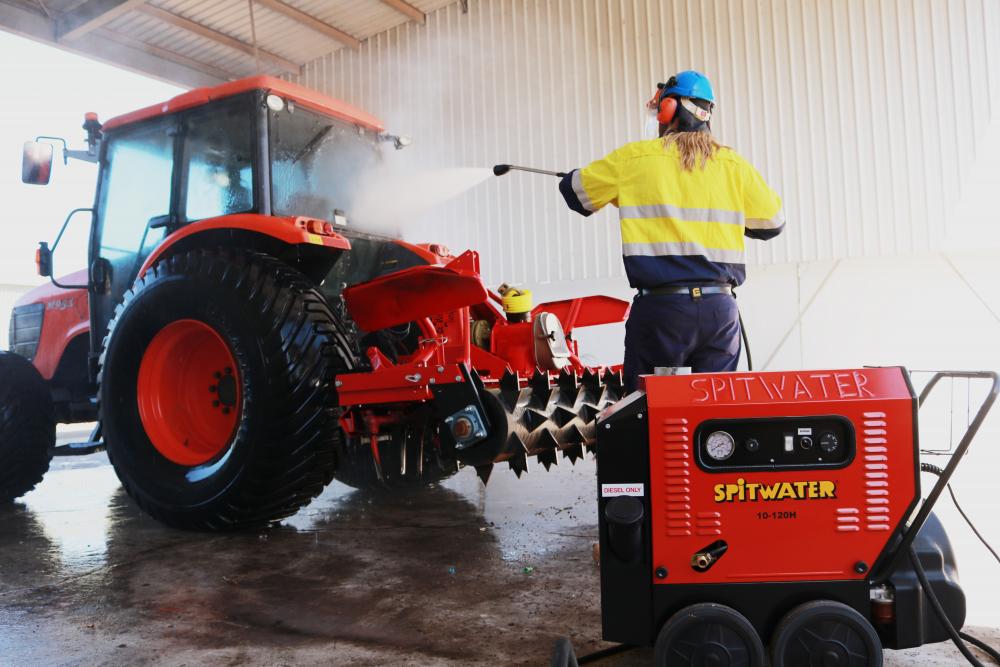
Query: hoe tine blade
[(548, 458), (613, 383), (574, 435), (510, 390), (514, 446), (546, 442), (568, 388), (562, 416), (588, 413), (519, 464), (533, 418), (541, 389), (573, 453), (510, 381), (484, 472)]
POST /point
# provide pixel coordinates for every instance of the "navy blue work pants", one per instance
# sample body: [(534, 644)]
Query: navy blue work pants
[(677, 330)]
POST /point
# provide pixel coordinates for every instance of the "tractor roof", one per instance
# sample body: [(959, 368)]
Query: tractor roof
[(300, 94)]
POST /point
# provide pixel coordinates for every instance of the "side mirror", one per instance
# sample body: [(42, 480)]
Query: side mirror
[(36, 163)]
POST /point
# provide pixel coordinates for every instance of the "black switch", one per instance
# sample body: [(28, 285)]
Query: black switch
[(828, 442)]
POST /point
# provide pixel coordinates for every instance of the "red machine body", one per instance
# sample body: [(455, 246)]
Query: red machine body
[(748, 496), (762, 503), (63, 316)]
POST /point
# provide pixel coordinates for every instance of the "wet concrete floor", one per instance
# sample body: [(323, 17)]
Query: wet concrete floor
[(452, 575)]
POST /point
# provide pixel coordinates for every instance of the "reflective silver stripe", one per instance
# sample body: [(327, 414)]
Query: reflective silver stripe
[(759, 223), (581, 194), (682, 214), (685, 249)]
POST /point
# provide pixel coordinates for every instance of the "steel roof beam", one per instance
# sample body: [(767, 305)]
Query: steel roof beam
[(406, 8), (33, 25), (311, 22), (91, 15), (165, 54), (220, 38)]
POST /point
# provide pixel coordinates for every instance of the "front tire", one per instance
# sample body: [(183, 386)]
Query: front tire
[(27, 427), (216, 390)]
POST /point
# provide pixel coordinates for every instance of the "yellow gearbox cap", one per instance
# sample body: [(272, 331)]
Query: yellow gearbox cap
[(517, 301)]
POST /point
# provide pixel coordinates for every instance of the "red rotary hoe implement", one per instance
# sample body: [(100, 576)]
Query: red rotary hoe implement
[(500, 386)]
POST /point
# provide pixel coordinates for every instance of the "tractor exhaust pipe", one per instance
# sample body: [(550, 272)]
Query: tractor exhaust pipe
[(501, 169)]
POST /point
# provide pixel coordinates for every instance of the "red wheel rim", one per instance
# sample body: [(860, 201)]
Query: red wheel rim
[(189, 392)]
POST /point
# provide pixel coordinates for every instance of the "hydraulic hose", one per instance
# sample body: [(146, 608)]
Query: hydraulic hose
[(959, 638), (940, 612), (746, 342)]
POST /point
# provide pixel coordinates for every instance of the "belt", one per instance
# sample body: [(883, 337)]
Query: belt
[(695, 291)]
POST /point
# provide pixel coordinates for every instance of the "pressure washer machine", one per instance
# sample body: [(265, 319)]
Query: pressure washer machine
[(739, 510)]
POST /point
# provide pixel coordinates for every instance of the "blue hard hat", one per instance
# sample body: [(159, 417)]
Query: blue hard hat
[(690, 84)]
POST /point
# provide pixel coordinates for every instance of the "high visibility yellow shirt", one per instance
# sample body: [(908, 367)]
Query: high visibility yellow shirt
[(678, 227)]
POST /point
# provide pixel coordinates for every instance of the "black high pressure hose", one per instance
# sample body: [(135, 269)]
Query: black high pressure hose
[(746, 341), (959, 638)]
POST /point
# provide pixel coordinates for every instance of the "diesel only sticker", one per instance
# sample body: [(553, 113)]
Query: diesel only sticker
[(612, 490)]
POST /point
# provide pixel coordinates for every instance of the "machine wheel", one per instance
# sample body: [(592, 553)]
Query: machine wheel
[(824, 633), (27, 427), (410, 459), (216, 390), (708, 634)]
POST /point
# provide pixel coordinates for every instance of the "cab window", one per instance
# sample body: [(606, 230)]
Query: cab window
[(218, 162), (136, 188)]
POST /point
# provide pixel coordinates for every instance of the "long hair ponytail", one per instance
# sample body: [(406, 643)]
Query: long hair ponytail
[(695, 148)]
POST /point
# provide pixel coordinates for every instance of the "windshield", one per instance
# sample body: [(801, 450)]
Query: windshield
[(317, 163)]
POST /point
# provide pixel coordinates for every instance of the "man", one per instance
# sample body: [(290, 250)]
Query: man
[(685, 204)]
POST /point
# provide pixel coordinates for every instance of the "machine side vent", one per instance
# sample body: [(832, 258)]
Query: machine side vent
[(848, 520), (677, 473), (875, 439)]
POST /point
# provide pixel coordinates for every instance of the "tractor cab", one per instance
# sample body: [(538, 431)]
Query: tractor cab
[(262, 160)]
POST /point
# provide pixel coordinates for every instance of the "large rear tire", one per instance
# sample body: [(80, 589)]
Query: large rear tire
[(216, 390), (27, 427)]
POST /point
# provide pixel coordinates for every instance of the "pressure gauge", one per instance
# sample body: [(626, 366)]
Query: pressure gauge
[(720, 445)]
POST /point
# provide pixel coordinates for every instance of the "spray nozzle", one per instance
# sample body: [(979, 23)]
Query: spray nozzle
[(399, 142)]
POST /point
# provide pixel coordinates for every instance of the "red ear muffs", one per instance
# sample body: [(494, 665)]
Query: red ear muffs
[(668, 108)]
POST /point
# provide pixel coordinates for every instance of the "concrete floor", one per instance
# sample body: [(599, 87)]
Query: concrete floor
[(453, 575)]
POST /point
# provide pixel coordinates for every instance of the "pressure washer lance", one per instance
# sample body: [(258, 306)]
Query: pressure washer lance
[(501, 169)]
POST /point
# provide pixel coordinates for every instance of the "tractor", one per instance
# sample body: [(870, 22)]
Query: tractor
[(240, 344)]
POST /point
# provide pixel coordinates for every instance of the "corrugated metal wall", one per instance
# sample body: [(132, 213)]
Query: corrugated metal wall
[(863, 114)]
